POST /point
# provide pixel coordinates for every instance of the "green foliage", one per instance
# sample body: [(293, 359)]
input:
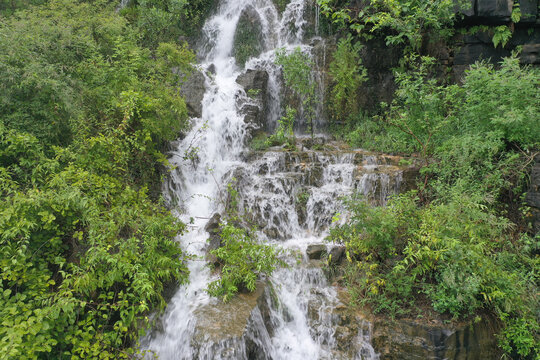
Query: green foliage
[(454, 253), (451, 244), (297, 75), (281, 5), (284, 133), (243, 260), (348, 73), (462, 132), (167, 20), (248, 40), (8, 7), (84, 250), (401, 22), (71, 72), (84, 256), (501, 35)]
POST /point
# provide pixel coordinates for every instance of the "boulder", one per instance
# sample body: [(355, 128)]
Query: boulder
[(494, 11), (253, 80), (236, 329), (336, 254), (192, 90), (214, 239), (315, 251), (254, 108), (248, 37)]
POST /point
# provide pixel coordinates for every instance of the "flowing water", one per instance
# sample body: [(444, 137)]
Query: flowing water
[(291, 196)]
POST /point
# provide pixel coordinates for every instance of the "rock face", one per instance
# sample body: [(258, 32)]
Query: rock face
[(192, 90), (214, 239), (495, 11), (235, 330), (248, 38), (409, 339), (533, 196), (315, 251), (254, 108), (404, 340)]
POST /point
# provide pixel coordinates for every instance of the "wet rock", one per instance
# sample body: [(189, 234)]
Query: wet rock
[(494, 11), (255, 84), (253, 79), (315, 251), (248, 37), (192, 90), (212, 69), (336, 254), (233, 330), (529, 11), (214, 240)]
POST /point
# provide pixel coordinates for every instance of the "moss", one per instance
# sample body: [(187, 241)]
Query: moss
[(248, 40)]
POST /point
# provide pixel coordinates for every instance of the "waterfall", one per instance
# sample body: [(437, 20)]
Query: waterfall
[(296, 317)]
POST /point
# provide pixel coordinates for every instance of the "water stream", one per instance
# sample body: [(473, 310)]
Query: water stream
[(292, 197)]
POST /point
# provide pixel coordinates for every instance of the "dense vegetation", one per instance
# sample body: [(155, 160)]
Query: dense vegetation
[(86, 247), (89, 96), (241, 258), (460, 243)]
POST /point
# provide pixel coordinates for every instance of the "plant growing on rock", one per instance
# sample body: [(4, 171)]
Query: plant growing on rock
[(242, 258), (284, 133), (297, 74), (402, 22), (348, 73), (243, 261)]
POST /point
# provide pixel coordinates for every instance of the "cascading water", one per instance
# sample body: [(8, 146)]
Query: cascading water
[(292, 197)]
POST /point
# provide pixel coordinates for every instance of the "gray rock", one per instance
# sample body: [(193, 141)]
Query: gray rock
[(255, 84), (248, 37), (253, 79), (529, 11), (315, 251), (234, 330), (530, 54), (337, 254), (193, 89), (494, 11), (214, 240), (470, 53)]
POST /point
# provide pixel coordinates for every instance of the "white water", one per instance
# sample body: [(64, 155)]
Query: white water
[(301, 320)]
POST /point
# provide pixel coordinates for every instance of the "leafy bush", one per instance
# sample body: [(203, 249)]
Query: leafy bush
[(405, 22), (297, 74), (454, 253), (243, 262), (84, 256), (85, 252), (348, 73), (167, 20)]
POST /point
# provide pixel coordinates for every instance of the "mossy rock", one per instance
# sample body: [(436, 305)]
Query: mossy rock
[(248, 37)]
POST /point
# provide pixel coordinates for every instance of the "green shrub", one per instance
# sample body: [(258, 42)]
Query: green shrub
[(348, 74), (297, 74), (456, 253), (243, 261)]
